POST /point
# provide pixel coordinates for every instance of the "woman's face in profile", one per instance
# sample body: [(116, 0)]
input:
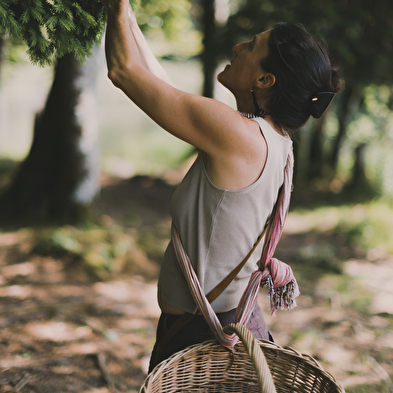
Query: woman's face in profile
[(245, 67)]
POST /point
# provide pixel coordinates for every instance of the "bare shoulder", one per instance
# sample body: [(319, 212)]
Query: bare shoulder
[(242, 162)]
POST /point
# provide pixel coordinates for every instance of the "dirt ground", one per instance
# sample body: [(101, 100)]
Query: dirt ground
[(64, 331)]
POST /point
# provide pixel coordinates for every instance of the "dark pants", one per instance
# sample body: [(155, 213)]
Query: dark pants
[(197, 331)]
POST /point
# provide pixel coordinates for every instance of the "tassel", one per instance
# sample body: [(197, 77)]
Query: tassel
[(283, 287), (281, 297)]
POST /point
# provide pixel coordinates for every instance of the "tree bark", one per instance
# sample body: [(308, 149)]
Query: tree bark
[(296, 142), (59, 176), (1, 48), (209, 55), (315, 156), (359, 178), (1, 64), (349, 103)]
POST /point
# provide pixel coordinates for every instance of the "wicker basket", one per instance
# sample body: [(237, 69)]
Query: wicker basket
[(209, 367)]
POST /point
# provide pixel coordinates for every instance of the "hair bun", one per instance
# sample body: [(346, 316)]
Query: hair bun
[(336, 81)]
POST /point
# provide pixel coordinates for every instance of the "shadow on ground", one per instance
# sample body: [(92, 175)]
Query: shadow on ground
[(64, 328)]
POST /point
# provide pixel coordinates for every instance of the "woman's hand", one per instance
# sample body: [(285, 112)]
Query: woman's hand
[(120, 11), (116, 5)]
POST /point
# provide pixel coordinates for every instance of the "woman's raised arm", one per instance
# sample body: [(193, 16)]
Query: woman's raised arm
[(205, 123), (146, 55)]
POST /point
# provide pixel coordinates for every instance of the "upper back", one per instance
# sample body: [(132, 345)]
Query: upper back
[(218, 227)]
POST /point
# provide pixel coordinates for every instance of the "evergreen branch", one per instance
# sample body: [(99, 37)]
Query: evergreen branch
[(53, 29)]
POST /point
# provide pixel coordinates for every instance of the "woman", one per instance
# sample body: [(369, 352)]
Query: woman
[(219, 210)]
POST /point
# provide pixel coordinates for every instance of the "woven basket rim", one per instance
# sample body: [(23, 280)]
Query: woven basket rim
[(287, 350)]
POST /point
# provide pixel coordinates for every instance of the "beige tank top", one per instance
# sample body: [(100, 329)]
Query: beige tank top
[(219, 227)]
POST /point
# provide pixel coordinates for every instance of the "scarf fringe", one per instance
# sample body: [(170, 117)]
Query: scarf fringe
[(281, 297)]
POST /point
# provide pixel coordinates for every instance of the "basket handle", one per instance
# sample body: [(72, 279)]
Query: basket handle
[(255, 352)]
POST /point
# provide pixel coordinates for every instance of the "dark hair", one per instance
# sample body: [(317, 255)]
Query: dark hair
[(302, 68)]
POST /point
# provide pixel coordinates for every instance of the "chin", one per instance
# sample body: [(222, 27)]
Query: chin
[(220, 79)]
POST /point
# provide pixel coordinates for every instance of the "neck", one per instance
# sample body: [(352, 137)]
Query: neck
[(245, 105), (249, 102)]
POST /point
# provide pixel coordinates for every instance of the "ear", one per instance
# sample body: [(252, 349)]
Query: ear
[(266, 81)]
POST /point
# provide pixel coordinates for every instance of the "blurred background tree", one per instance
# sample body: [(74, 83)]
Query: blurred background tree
[(60, 176), (360, 37), (346, 149), (339, 157)]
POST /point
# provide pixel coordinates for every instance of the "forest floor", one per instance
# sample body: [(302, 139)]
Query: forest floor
[(68, 325)]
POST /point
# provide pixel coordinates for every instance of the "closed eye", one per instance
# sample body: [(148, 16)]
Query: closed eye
[(251, 44)]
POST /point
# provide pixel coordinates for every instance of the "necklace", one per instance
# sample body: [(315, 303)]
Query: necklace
[(248, 115)]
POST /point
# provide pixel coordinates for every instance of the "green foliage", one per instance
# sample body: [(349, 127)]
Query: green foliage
[(169, 24), (173, 16), (59, 242), (382, 387), (96, 250), (352, 292), (374, 126), (53, 28), (359, 33), (366, 226), (322, 256)]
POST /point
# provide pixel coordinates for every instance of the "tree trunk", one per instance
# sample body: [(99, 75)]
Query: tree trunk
[(315, 156), (296, 142), (359, 178), (349, 103), (59, 176), (1, 48), (209, 57), (1, 64)]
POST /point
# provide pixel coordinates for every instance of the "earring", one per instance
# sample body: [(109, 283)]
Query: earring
[(258, 110)]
